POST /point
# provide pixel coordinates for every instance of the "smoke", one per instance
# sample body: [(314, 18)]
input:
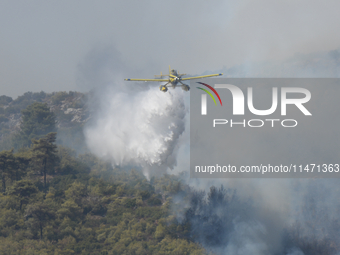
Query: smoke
[(322, 64), (138, 128), (291, 217), (225, 224), (135, 124), (295, 251), (285, 216), (101, 67)]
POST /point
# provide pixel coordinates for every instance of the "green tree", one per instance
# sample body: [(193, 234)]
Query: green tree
[(45, 154), (23, 190), (4, 100), (71, 210), (7, 163), (76, 192), (37, 121), (22, 161), (38, 215), (69, 164)]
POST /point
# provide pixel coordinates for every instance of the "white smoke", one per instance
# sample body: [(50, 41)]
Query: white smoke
[(138, 127), (246, 240), (141, 126), (295, 251)]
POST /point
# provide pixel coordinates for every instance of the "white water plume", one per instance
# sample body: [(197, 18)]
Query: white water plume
[(138, 127)]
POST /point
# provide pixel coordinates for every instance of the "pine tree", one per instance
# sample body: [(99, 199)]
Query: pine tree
[(7, 164), (37, 121), (45, 154), (39, 214)]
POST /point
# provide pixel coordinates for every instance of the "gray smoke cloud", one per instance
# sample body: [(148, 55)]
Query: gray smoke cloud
[(318, 64), (266, 217), (138, 128), (287, 216), (135, 124)]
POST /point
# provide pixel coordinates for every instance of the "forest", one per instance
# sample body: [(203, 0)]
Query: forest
[(57, 201), (60, 199)]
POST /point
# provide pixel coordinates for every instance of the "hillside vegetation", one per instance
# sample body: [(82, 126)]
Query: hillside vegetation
[(54, 201), (57, 198), (70, 113)]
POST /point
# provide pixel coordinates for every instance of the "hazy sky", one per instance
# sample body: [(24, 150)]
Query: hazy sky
[(43, 43)]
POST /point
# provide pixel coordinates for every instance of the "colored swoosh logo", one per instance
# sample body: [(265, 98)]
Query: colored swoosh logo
[(208, 92)]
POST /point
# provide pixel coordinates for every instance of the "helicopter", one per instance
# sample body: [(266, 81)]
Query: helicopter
[(175, 79)]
